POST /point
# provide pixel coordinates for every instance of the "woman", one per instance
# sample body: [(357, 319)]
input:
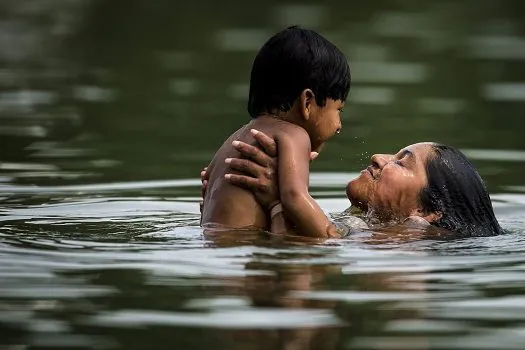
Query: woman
[(426, 183)]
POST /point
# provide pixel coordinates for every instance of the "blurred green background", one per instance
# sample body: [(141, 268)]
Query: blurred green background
[(101, 91)]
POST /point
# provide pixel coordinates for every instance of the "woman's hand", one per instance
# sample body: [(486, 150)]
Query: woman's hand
[(205, 176), (259, 167)]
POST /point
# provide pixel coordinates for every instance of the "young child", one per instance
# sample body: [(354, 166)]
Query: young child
[(298, 86)]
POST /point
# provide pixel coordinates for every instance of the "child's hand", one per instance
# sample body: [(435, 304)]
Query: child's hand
[(315, 153)]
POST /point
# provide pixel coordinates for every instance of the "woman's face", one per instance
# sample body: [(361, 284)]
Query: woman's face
[(390, 186)]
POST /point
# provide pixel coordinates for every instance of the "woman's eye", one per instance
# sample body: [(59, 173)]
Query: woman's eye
[(398, 162)]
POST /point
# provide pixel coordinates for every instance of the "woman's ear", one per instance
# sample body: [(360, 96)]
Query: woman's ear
[(429, 217), (433, 217), (307, 100)]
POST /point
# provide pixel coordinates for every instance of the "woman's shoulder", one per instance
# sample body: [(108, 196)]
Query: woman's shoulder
[(348, 221)]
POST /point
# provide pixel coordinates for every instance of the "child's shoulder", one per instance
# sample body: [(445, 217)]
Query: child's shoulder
[(286, 129)]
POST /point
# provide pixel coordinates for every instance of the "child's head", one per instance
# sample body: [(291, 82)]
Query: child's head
[(297, 64), (291, 61)]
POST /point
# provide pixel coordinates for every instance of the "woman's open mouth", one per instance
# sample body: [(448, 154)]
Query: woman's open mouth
[(370, 169)]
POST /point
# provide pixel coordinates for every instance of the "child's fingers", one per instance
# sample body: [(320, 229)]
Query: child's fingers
[(253, 153), (245, 166), (313, 155), (268, 143)]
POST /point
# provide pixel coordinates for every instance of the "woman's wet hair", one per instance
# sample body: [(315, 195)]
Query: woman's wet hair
[(291, 61), (456, 191)]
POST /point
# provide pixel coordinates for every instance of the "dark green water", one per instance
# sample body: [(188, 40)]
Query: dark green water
[(109, 109)]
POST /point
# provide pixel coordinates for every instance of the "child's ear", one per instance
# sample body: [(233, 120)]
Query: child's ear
[(307, 99)]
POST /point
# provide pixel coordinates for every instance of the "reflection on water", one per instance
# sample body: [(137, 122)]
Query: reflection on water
[(109, 109)]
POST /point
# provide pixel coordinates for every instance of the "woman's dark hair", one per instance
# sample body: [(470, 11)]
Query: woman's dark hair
[(456, 191), (291, 61)]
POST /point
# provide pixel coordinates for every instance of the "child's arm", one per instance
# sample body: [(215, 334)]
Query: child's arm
[(293, 148)]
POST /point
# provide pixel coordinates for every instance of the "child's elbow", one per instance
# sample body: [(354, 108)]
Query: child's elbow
[(291, 197)]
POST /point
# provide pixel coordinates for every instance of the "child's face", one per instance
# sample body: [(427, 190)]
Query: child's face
[(325, 121)]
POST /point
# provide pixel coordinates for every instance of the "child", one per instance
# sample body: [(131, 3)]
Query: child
[(298, 86)]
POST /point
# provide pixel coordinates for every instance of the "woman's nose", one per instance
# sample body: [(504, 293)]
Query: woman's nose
[(381, 159)]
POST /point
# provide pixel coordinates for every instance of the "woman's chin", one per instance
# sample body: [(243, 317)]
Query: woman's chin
[(354, 196), (362, 206)]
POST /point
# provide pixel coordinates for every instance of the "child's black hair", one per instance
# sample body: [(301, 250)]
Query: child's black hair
[(291, 61)]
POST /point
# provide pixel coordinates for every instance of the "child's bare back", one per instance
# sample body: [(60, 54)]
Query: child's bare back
[(231, 206)]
